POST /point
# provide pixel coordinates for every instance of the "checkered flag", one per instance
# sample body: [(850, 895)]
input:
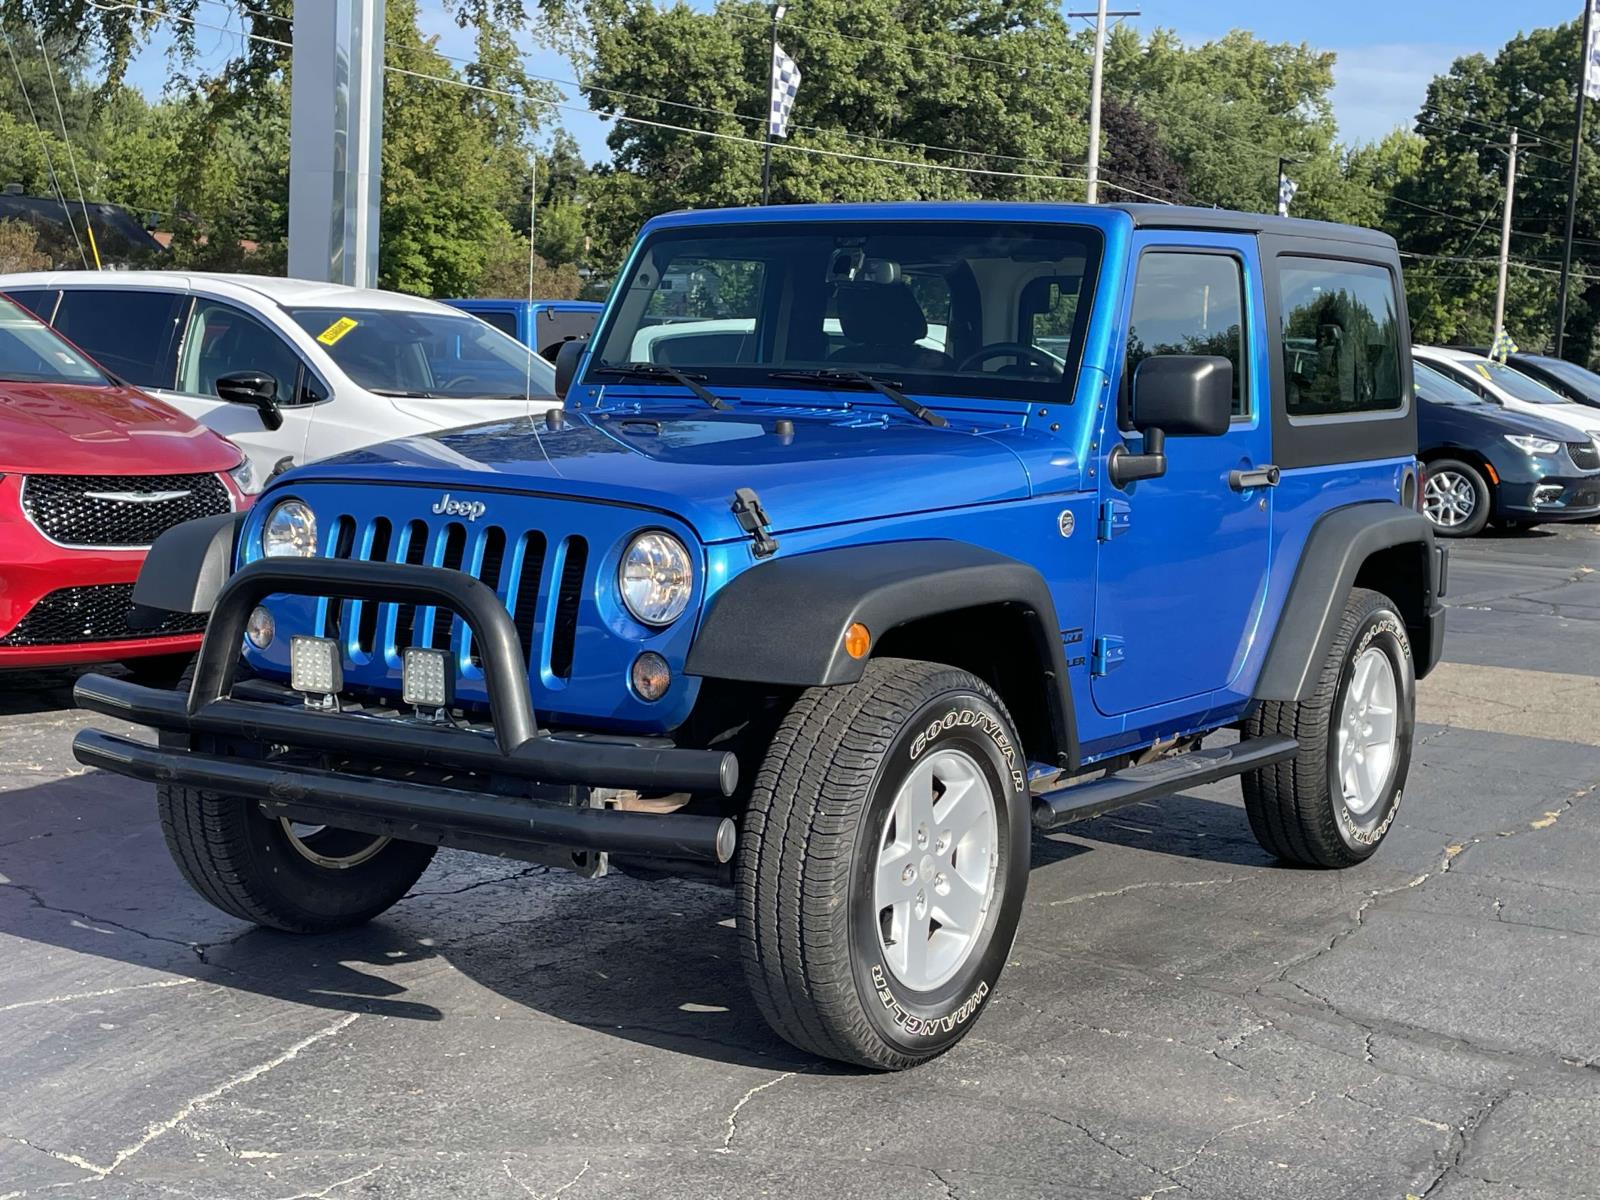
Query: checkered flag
[(1591, 61), (1286, 193), (785, 83)]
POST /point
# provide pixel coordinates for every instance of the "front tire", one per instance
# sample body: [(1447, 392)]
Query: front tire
[(270, 872), (883, 864), (1332, 804), (1456, 498)]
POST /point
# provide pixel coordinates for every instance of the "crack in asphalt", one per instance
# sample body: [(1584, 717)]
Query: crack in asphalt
[(522, 874), (1460, 1141), (733, 1116)]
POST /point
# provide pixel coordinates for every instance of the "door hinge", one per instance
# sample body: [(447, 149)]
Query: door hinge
[(1115, 518), (1108, 654), (754, 521)]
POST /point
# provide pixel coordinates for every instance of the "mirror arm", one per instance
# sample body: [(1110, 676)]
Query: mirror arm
[(1124, 467)]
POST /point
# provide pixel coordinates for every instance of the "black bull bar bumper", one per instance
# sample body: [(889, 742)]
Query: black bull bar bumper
[(517, 750)]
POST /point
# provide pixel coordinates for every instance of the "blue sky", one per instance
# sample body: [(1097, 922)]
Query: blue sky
[(1388, 49)]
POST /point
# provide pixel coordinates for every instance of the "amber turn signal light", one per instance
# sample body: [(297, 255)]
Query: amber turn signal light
[(857, 640)]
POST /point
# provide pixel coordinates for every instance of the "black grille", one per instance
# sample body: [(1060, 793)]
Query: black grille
[(94, 614), (66, 510), (1585, 455)]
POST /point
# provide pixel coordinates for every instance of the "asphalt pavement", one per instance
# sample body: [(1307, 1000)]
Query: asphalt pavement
[(1181, 1014)]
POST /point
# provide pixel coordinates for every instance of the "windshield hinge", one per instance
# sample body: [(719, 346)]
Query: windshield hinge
[(753, 520), (1115, 518)]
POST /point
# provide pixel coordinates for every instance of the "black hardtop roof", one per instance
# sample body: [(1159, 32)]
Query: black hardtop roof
[(1177, 216)]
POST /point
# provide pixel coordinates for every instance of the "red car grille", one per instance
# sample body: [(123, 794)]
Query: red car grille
[(93, 511)]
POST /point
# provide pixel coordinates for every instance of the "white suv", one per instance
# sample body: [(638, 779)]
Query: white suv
[(288, 369), (1508, 387)]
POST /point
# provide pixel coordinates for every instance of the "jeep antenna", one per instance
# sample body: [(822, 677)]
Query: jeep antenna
[(531, 339)]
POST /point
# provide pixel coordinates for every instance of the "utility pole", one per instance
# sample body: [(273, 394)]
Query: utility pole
[(766, 149), (1586, 48), (1505, 246), (1092, 167)]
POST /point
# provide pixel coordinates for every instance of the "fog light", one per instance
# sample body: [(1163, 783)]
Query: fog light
[(314, 668), (425, 677), (1547, 493), (651, 676), (260, 628)]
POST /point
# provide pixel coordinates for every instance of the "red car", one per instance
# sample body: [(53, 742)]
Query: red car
[(91, 471)]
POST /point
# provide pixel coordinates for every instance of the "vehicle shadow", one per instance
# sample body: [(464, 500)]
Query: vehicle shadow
[(83, 867), (26, 692)]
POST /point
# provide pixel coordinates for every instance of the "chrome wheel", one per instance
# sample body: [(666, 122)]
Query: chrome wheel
[(1368, 731), (1449, 499), (336, 849), (935, 876)]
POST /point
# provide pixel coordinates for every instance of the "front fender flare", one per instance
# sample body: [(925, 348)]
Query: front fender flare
[(783, 622)]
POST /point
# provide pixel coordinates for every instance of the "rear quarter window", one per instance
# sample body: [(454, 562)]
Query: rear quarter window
[(1341, 338)]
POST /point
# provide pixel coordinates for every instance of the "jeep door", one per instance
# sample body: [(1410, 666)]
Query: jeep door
[(1183, 559)]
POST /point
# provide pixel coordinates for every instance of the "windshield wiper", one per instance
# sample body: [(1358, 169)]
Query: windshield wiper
[(658, 371), (838, 378)]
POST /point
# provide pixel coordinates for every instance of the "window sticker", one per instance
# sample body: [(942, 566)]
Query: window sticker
[(331, 335)]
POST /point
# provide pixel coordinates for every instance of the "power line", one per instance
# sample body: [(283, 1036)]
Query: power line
[(49, 160), (66, 137)]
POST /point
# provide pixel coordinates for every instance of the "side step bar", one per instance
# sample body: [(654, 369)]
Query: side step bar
[(1081, 801)]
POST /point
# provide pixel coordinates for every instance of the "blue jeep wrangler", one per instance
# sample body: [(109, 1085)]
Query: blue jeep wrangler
[(869, 540)]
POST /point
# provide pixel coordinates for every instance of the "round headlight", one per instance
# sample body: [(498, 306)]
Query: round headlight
[(290, 531), (656, 578)]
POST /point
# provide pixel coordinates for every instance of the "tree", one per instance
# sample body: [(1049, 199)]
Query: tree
[(1451, 206), (19, 248), (975, 84), (1137, 159)]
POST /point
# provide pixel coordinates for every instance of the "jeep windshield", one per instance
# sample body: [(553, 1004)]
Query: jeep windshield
[(437, 355), (962, 309)]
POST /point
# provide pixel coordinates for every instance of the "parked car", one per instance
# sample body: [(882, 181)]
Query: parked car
[(290, 370), (92, 472), (541, 325), (1567, 379), (1500, 384), (1487, 462), (839, 625)]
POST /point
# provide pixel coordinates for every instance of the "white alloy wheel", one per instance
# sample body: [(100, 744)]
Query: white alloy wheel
[(1367, 731)]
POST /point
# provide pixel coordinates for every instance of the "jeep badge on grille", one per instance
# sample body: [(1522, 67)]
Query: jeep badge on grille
[(470, 509)]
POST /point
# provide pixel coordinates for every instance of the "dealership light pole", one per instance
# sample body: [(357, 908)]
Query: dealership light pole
[(336, 140)]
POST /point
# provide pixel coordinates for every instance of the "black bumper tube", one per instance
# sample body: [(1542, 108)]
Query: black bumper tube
[(546, 758), (672, 836)]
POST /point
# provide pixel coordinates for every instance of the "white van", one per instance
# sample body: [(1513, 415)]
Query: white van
[(289, 369)]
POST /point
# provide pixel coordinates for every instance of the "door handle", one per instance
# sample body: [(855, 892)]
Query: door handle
[(1266, 476)]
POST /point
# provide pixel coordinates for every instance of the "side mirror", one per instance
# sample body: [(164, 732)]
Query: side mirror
[(1174, 395), (257, 390), (567, 359)]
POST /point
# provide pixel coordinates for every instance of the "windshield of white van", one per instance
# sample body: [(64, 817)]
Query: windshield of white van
[(31, 352), (436, 355), (947, 308)]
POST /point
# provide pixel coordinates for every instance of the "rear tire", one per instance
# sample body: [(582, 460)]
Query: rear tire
[(260, 869), (883, 863), (1332, 804)]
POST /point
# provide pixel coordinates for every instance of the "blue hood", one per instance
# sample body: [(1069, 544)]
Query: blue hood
[(835, 466)]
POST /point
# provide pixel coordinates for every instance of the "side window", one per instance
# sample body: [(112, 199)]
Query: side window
[(1188, 302), (1341, 338), (130, 333), (505, 322), (223, 340), (41, 302)]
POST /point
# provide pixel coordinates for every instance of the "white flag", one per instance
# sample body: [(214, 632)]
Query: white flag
[(1591, 60), (785, 83)]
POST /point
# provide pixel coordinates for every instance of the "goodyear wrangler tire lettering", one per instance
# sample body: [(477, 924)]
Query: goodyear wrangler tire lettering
[(933, 882)]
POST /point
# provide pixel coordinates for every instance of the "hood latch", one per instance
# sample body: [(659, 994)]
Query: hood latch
[(753, 520)]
